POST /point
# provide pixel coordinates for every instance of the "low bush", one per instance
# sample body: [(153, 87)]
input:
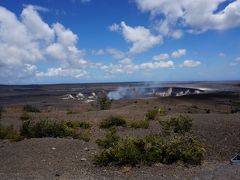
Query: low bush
[(30, 108), (46, 128), (152, 149), (113, 121), (25, 116), (104, 103), (8, 132), (162, 111), (151, 114), (109, 140), (177, 124), (139, 124), (75, 124)]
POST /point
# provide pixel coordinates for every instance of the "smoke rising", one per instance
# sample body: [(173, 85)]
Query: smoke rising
[(152, 90)]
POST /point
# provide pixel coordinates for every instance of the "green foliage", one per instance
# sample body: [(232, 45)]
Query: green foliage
[(104, 103), (25, 116), (113, 121), (139, 124), (162, 111), (109, 140), (75, 124), (166, 148), (69, 112), (185, 148), (30, 108), (152, 114), (152, 149), (8, 132), (178, 124), (126, 151), (46, 128)]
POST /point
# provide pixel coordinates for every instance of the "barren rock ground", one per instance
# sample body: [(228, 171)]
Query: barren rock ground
[(56, 158)]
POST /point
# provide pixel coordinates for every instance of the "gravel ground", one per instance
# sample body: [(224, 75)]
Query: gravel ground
[(50, 158)]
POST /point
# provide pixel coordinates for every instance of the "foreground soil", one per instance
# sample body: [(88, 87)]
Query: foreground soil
[(54, 158), (60, 159)]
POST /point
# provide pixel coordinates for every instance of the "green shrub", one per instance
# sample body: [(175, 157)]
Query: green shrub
[(109, 140), (25, 116), (152, 114), (152, 149), (113, 121), (46, 128), (104, 103), (69, 112), (162, 111), (8, 132), (185, 148), (85, 136), (75, 124), (178, 124), (30, 108), (126, 151), (139, 124)]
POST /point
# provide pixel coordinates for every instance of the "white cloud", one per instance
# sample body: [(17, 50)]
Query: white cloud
[(114, 27), (99, 52), (29, 40), (128, 67), (236, 62), (179, 53), (194, 15), (35, 25), (126, 61), (237, 59), (56, 51), (140, 37), (117, 54), (156, 65), (65, 36), (161, 57), (191, 63), (221, 54), (63, 72)]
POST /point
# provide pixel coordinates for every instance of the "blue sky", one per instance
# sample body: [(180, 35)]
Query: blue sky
[(75, 41)]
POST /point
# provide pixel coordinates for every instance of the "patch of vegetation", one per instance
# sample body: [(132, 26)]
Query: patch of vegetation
[(69, 112), (47, 128), (152, 114), (139, 124), (104, 103), (177, 124), (30, 108), (177, 145), (113, 121), (110, 139), (25, 116), (152, 149), (8, 132), (75, 124), (162, 111)]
